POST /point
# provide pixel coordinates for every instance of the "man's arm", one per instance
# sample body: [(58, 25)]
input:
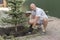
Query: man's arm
[(35, 20), (37, 17)]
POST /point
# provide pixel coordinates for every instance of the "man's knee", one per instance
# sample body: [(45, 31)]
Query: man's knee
[(30, 22), (45, 20)]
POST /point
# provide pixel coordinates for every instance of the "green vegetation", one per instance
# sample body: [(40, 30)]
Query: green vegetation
[(15, 13)]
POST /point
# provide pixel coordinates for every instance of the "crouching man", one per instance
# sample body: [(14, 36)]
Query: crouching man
[(37, 16)]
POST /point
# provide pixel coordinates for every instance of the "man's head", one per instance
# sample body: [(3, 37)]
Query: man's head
[(32, 6)]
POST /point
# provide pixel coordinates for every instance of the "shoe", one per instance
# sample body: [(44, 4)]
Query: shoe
[(29, 33), (43, 31), (30, 30)]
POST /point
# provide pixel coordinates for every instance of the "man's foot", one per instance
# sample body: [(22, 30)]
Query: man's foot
[(30, 30), (43, 31), (29, 33)]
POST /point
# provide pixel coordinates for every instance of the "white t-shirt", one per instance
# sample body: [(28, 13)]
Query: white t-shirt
[(39, 12)]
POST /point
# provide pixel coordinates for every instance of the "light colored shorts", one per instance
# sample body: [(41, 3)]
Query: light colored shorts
[(41, 21)]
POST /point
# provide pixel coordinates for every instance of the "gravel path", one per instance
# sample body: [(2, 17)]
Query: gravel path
[(53, 32)]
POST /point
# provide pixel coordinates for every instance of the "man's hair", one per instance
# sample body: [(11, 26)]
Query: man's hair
[(32, 4)]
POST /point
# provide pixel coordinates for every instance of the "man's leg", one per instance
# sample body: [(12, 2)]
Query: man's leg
[(30, 27), (45, 22)]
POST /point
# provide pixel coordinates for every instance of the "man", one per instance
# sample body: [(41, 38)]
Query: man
[(38, 16)]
